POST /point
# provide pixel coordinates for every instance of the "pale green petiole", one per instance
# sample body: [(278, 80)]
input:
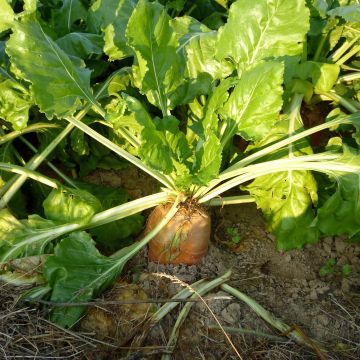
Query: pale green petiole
[(28, 173), (321, 163)]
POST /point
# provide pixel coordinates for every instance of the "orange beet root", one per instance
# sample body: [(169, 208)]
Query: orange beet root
[(184, 240)]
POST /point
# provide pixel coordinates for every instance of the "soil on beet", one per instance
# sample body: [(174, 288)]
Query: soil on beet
[(324, 308)]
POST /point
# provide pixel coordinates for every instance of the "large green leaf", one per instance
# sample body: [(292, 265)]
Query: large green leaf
[(65, 17), (255, 103), (286, 200), (263, 29), (77, 272), (57, 84), (6, 15), (111, 17), (154, 42), (15, 102)]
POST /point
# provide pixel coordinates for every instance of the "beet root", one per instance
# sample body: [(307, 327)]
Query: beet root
[(184, 240)]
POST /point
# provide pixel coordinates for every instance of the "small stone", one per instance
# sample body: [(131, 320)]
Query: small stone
[(231, 313), (287, 257), (323, 289), (327, 248), (313, 295), (322, 319), (304, 282), (328, 240), (340, 246), (345, 285)]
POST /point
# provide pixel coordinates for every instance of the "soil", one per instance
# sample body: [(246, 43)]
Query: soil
[(325, 309)]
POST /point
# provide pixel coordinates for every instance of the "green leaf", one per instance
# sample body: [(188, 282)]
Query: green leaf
[(162, 144), (340, 214), (6, 15), (77, 272), (111, 17), (155, 43), (65, 17), (57, 84), (79, 142), (261, 30), (67, 205), (349, 13), (15, 102), (81, 44), (18, 238), (207, 159), (286, 200), (255, 103)]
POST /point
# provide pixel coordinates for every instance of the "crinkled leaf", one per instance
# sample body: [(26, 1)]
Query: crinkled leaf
[(15, 102), (67, 205), (207, 159), (81, 44), (263, 29), (162, 145), (286, 200), (196, 47), (349, 13), (154, 42), (57, 84), (322, 75), (65, 17), (215, 102), (255, 103), (77, 272), (19, 238), (6, 15), (111, 17)]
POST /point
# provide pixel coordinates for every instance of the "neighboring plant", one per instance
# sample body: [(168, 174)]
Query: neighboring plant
[(330, 268), (181, 93), (234, 234)]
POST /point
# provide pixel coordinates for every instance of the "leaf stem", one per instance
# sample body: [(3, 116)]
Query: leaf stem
[(350, 54), (29, 173), (233, 170), (34, 127), (33, 164), (318, 162), (341, 100)]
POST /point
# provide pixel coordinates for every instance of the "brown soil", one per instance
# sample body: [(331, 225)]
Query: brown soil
[(325, 308)]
